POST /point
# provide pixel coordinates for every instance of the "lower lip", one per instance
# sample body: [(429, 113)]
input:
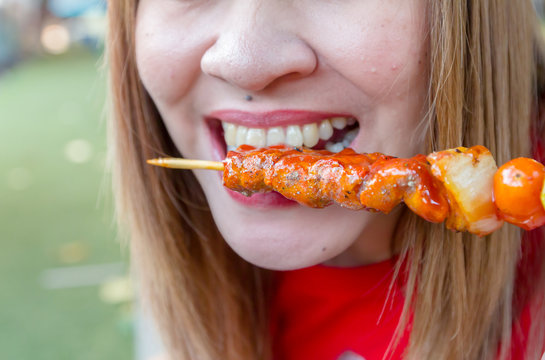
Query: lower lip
[(262, 200), (266, 200)]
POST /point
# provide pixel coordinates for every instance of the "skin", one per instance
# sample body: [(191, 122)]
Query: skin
[(365, 58)]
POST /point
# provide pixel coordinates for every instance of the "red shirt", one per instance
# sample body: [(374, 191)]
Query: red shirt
[(327, 313), (331, 313)]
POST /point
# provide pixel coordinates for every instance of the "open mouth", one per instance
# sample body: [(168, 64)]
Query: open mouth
[(333, 134)]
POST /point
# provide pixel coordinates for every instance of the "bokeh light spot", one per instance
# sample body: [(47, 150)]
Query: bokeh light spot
[(55, 39), (73, 252), (116, 290), (78, 151)]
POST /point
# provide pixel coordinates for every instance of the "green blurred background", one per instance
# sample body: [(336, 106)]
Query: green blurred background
[(63, 274)]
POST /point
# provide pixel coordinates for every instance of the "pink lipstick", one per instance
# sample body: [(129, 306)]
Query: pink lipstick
[(273, 118)]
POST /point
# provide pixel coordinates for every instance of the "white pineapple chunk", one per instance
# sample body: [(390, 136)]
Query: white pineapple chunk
[(467, 176)]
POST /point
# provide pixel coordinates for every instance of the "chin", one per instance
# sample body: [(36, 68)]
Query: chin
[(284, 249), (288, 238)]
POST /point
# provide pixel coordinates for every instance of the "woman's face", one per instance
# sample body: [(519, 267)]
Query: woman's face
[(268, 71)]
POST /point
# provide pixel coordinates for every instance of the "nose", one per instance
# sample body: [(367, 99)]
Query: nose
[(252, 55)]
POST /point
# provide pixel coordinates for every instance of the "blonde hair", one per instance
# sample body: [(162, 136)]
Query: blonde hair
[(210, 304)]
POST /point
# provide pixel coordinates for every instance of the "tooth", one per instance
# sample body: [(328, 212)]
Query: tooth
[(294, 136), (241, 135), (334, 147), (351, 121), (256, 137), (310, 135), (349, 137), (230, 133), (231, 148), (338, 122), (224, 125), (325, 131), (275, 136)]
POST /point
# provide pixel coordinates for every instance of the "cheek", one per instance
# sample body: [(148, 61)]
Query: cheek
[(388, 57), (395, 65), (167, 55)]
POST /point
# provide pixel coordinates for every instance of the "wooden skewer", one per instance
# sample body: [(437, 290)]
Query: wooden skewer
[(177, 163)]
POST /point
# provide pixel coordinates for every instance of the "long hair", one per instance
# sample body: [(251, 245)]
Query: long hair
[(460, 290)]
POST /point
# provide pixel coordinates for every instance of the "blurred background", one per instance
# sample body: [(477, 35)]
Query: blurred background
[(65, 292)]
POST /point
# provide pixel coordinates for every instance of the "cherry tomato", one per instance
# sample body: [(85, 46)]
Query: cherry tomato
[(517, 188), (543, 194)]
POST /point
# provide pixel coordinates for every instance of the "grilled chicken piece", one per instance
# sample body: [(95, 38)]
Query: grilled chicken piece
[(319, 178)]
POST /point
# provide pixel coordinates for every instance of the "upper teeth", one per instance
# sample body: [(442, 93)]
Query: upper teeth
[(292, 135)]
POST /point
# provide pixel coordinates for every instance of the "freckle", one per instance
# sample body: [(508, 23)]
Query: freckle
[(324, 249)]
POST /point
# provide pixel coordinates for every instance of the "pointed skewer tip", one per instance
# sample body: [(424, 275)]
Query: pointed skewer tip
[(179, 163)]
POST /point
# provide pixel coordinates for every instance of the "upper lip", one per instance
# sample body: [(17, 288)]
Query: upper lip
[(273, 118)]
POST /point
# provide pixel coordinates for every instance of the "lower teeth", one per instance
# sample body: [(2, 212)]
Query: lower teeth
[(347, 139), (350, 136), (334, 147)]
